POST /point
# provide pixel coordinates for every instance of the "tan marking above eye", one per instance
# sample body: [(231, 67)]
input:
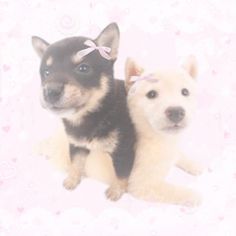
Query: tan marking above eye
[(76, 59), (49, 61)]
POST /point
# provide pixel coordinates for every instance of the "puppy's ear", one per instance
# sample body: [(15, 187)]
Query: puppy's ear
[(131, 69), (110, 37), (190, 66), (39, 45)]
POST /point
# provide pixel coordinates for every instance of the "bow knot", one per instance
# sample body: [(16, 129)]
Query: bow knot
[(149, 77), (104, 51)]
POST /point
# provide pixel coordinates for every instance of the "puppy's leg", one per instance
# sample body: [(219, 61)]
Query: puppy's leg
[(76, 170), (117, 188), (147, 182), (189, 166), (169, 193), (161, 191), (122, 159)]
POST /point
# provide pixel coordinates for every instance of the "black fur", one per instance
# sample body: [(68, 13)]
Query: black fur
[(96, 124), (111, 114), (78, 150), (63, 70)]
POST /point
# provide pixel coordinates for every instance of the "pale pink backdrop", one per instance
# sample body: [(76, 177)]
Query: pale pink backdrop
[(156, 33)]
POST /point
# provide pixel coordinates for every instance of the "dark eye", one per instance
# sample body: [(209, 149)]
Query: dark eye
[(185, 92), (151, 94), (83, 68), (46, 73)]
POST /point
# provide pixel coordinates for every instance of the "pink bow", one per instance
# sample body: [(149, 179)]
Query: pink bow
[(91, 47), (149, 77)]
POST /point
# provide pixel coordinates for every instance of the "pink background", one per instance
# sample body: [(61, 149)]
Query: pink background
[(156, 33)]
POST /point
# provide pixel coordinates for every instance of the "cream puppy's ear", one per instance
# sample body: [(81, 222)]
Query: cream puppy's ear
[(131, 69), (190, 66)]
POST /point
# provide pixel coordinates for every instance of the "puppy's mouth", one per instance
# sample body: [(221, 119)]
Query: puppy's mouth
[(61, 110), (174, 128)]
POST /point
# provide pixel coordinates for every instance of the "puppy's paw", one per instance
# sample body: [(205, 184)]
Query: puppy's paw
[(190, 166), (193, 200), (116, 190), (196, 169), (71, 183), (113, 193)]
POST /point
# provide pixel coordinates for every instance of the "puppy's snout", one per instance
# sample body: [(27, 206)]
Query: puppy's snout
[(53, 92), (175, 114)]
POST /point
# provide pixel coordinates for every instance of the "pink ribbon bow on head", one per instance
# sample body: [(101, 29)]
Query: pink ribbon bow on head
[(91, 47), (149, 77)]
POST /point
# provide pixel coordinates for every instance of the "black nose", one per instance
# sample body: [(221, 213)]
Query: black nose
[(53, 92), (175, 114)]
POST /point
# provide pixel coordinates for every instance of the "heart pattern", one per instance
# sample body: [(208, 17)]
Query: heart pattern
[(156, 33), (6, 128)]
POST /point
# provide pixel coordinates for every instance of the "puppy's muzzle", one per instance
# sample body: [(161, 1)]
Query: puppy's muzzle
[(53, 92), (175, 114)]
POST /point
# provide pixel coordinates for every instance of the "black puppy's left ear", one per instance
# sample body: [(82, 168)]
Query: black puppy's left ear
[(190, 66), (110, 37), (39, 45)]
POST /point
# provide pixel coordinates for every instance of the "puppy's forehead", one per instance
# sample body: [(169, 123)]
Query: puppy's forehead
[(62, 49), (142, 86), (169, 79), (172, 75)]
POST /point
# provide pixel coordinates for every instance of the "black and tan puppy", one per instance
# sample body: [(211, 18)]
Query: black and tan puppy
[(78, 85)]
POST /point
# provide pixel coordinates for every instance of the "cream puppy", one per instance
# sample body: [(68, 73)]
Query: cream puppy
[(161, 105)]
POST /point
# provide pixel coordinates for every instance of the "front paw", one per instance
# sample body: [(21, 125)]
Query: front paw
[(117, 189), (193, 200), (114, 193), (196, 169), (70, 183)]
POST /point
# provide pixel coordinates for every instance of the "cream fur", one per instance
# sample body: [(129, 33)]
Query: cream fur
[(157, 148), (157, 151), (56, 149), (98, 164)]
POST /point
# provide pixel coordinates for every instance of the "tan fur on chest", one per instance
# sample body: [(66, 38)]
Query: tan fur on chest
[(99, 162), (107, 144)]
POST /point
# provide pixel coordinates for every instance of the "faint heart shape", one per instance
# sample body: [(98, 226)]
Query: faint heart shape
[(20, 209), (6, 128), (6, 68)]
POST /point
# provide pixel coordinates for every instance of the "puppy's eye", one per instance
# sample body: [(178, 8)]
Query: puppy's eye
[(152, 94), (46, 73), (185, 92), (83, 68)]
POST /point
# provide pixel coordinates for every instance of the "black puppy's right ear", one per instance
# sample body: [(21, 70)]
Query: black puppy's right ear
[(110, 37), (131, 69), (39, 45)]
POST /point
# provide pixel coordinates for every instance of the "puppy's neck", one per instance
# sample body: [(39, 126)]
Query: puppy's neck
[(101, 100)]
